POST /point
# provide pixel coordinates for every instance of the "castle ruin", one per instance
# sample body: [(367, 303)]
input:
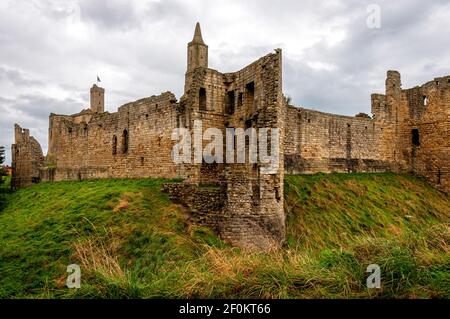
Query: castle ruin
[(409, 131)]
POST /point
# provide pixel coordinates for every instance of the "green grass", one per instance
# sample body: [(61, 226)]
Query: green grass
[(131, 241)]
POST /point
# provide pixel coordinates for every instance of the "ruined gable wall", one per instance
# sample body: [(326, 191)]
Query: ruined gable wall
[(427, 110), (254, 215), (323, 142), (82, 150), (27, 157)]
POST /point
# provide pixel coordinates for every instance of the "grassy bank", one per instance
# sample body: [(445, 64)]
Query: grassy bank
[(132, 242)]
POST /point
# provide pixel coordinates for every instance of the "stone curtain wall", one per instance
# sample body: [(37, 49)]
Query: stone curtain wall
[(27, 158), (93, 145), (322, 142)]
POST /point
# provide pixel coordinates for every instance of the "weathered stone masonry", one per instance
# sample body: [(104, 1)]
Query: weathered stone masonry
[(409, 132), (27, 158)]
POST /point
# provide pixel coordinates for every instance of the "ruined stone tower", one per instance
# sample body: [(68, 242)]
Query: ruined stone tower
[(246, 209), (97, 99)]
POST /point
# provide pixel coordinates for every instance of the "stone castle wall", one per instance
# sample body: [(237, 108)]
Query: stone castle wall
[(133, 142), (243, 202), (322, 142)]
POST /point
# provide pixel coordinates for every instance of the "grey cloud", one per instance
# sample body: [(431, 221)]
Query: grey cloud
[(111, 14), (365, 55), (31, 111), (16, 77), (40, 106)]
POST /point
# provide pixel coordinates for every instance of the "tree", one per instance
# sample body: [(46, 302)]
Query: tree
[(287, 99), (2, 160), (2, 155)]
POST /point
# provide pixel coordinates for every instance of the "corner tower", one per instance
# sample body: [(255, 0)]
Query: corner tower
[(97, 99), (197, 55)]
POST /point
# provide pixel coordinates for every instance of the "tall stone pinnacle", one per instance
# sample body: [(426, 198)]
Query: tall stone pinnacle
[(198, 34)]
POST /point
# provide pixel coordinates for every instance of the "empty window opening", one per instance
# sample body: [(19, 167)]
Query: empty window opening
[(348, 125), (250, 94), (142, 161), (125, 142), (114, 145), (309, 120), (240, 98), (425, 100), (202, 99), (256, 191), (229, 109), (415, 137), (248, 124), (146, 116), (439, 177)]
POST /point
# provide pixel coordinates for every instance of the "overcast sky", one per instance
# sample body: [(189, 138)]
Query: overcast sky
[(51, 51)]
